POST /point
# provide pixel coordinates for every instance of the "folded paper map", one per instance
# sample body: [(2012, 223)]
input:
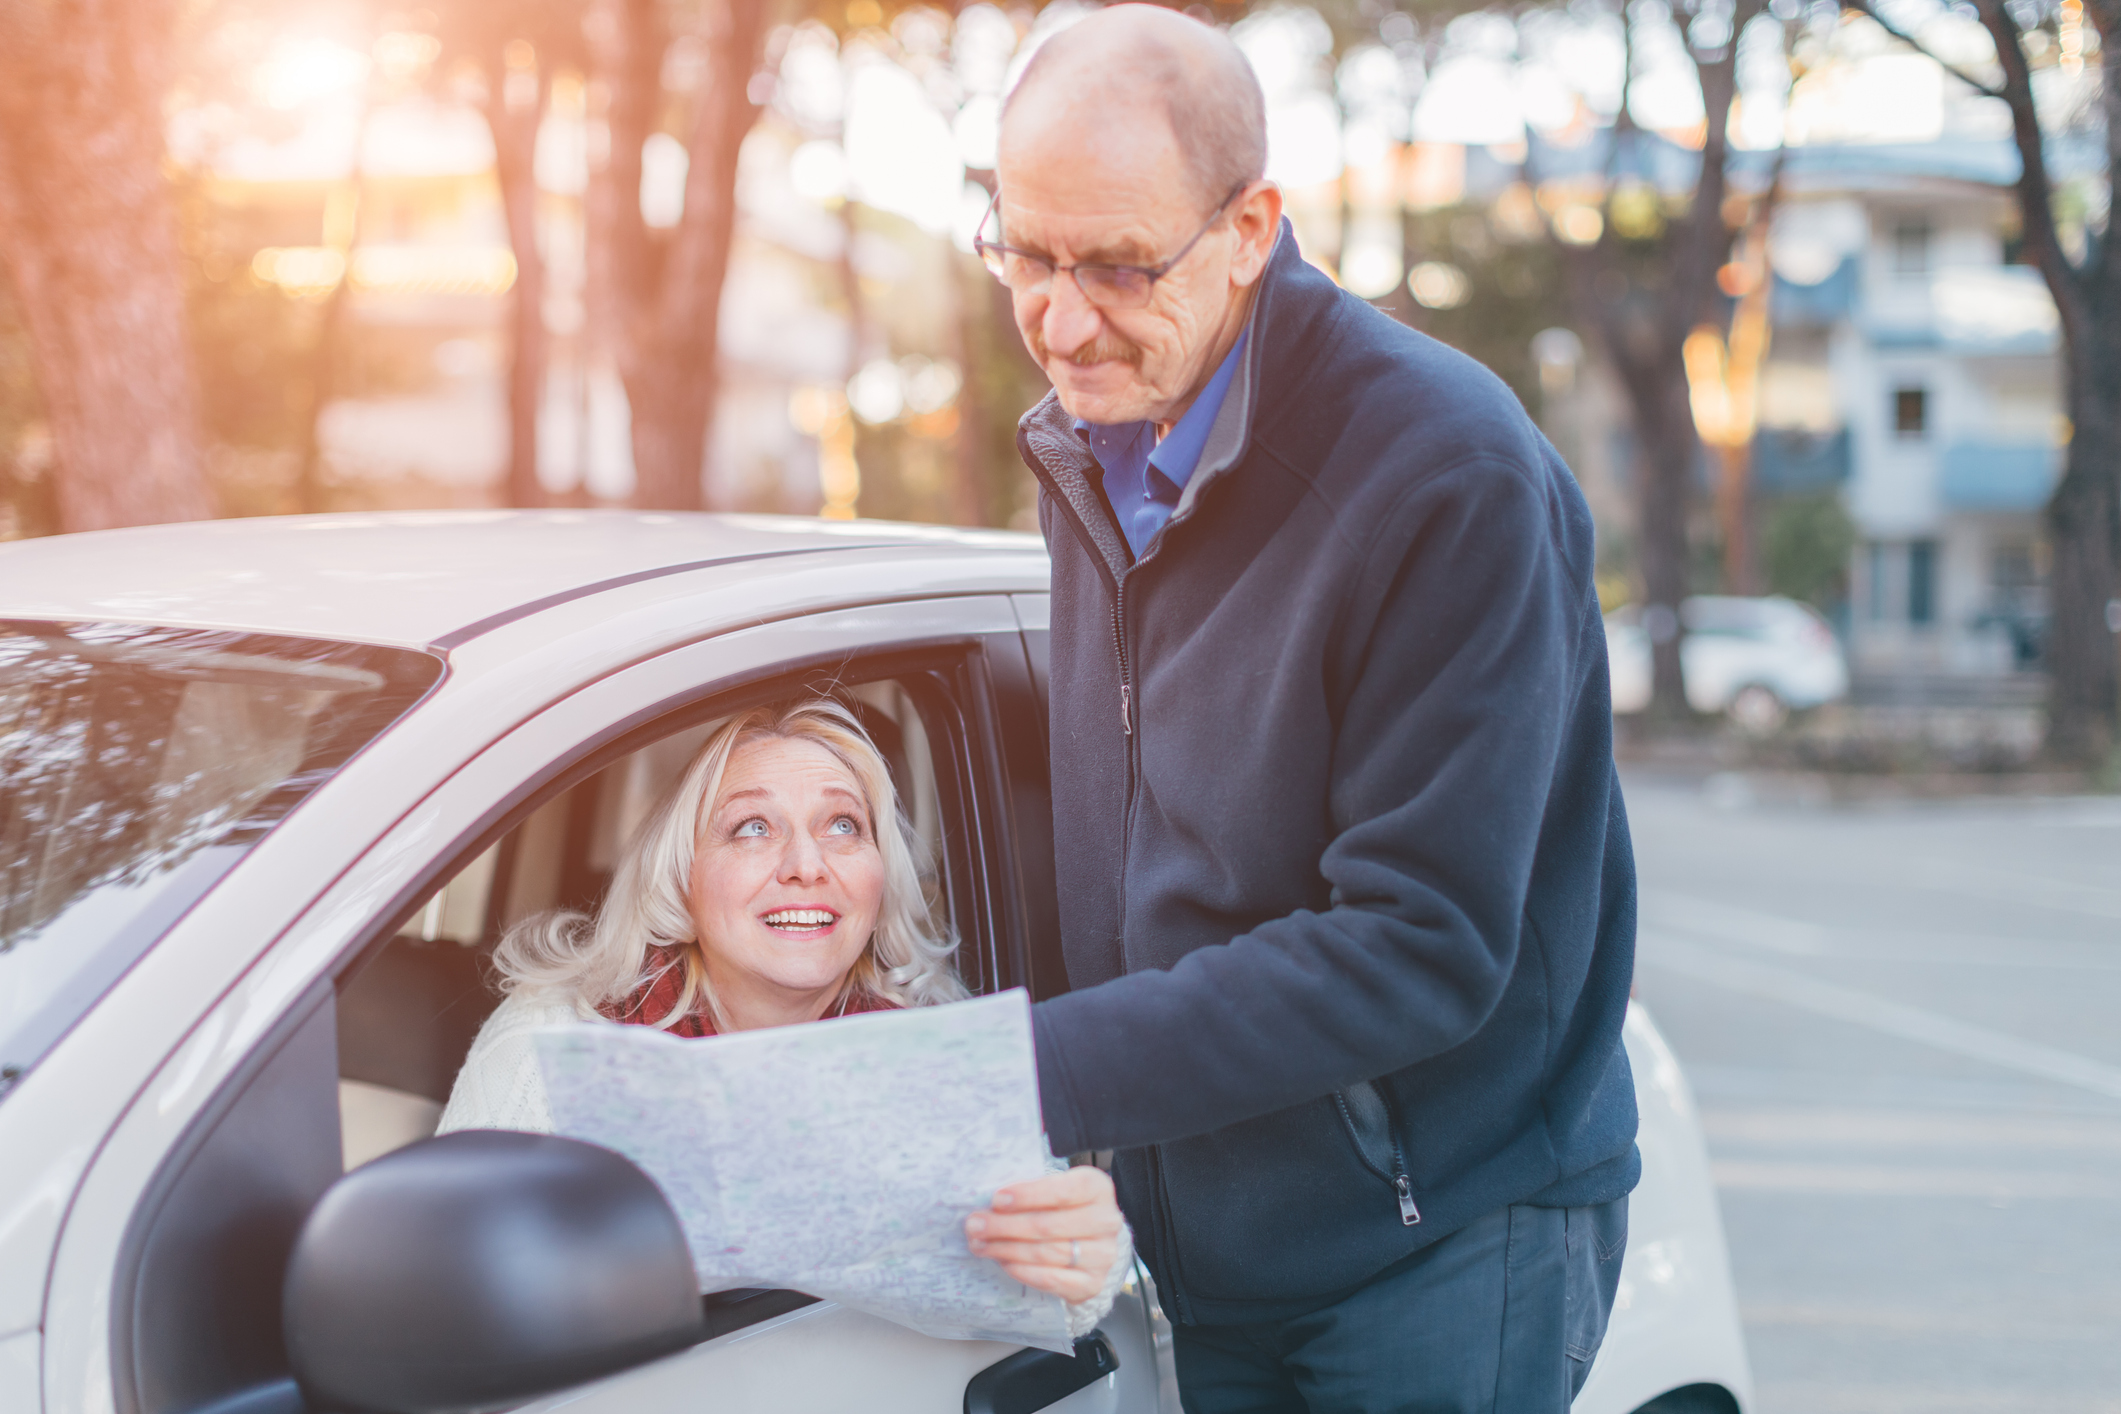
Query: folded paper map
[(838, 1158)]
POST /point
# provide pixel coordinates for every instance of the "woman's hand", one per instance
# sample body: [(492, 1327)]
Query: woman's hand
[(1059, 1233)]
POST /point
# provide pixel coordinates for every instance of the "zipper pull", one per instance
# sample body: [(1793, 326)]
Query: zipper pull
[(1126, 709), (1408, 1213)]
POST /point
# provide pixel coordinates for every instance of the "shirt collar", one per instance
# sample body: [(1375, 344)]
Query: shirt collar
[(1178, 454)]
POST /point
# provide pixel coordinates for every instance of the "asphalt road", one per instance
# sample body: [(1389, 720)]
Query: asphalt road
[(1903, 1026)]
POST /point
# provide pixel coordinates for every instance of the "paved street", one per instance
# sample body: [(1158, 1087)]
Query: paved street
[(1903, 1025)]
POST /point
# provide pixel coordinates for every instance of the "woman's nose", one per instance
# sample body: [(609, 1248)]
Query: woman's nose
[(802, 862)]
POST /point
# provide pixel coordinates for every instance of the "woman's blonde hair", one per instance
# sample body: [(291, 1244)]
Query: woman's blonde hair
[(605, 960)]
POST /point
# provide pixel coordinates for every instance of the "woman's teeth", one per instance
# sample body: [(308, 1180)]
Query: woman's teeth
[(800, 918)]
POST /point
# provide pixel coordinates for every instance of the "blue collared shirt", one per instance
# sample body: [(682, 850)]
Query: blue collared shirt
[(1144, 477)]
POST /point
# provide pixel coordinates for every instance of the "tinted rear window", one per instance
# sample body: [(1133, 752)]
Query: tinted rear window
[(137, 765)]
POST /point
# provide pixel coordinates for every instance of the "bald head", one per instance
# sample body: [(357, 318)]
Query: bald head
[(1129, 70), (1136, 140)]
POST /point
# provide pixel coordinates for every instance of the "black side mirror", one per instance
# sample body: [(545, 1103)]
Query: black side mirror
[(475, 1270)]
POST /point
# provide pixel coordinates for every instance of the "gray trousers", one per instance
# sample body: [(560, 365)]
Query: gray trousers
[(1503, 1315)]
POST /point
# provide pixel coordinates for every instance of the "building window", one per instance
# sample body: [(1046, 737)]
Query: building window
[(1911, 411), (1922, 581), (1911, 247)]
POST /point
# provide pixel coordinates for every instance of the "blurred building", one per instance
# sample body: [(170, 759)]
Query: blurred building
[(1915, 367)]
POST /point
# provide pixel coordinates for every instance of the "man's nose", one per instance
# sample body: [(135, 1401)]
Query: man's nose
[(1070, 321)]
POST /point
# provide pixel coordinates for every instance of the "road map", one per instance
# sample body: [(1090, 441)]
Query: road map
[(838, 1158)]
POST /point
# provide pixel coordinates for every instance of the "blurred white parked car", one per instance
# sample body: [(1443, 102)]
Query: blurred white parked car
[(269, 792), (1755, 659)]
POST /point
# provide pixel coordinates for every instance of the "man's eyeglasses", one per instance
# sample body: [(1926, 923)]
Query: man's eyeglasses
[(1106, 285)]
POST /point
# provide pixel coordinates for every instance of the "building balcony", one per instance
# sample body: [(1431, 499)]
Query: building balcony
[(1997, 476), (1794, 462)]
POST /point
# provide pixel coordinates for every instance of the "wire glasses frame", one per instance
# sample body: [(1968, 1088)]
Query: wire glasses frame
[(1103, 284)]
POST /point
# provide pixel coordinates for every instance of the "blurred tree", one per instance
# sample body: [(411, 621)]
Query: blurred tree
[(25, 486), (2084, 512), (89, 239), (258, 355), (1642, 277), (657, 66), (1806, 548), (1511, 290), (1640, 268), (515, 48)]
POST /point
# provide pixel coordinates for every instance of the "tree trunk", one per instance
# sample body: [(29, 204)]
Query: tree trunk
[(1641, 317), (515, 143), (1664, 428), (2084, 513), (673, 376), (2084, 528), (323, 382), (88, 236)]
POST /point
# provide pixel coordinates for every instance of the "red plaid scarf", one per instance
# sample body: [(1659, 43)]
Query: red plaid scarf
[(655, 999)]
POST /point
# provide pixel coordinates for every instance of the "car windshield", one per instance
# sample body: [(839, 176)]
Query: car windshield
[(137, 765)]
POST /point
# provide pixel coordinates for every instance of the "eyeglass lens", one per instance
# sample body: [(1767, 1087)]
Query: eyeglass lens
[(1110, 286)]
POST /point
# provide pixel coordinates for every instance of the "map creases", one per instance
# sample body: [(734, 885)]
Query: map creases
[(839, 1158)]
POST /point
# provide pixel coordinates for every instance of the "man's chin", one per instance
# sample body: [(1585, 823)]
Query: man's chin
[(1109, 392)]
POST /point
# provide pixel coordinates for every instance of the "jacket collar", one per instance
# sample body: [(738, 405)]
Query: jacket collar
[(1055, 452)]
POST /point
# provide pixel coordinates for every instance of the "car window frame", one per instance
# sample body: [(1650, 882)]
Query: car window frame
[(974, 775), (956, 666)]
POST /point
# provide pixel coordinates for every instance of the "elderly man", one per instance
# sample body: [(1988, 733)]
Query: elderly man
[(1345, 882)]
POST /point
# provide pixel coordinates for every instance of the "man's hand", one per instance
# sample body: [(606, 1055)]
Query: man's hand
[(1059, 1233)]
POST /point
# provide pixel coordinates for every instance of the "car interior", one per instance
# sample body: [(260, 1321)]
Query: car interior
[(406, 1021)]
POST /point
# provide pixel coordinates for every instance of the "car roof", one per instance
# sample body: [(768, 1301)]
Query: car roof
[(411, 577)]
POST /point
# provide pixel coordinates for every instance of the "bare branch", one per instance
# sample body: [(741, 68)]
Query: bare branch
[(1869, 8), (1706, 243), (2035, 188)]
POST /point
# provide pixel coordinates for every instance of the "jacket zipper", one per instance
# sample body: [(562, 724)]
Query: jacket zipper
[(1402, 1186), (1119, 646)]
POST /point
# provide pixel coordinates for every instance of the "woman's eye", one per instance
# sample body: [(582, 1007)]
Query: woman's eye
[(844, 825), (750, 829)]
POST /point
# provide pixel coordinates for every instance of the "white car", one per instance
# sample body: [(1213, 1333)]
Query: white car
[(1756, 659), (269, 789)]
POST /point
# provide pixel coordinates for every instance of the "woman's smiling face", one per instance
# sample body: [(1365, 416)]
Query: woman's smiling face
[(786, 882)]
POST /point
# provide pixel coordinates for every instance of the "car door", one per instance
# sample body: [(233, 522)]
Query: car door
[(164, 1290)]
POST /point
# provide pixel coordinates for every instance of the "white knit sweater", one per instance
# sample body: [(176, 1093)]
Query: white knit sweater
[(501, 1087)]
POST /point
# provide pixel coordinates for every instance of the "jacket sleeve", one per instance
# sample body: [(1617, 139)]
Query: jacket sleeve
[(1461, 663)]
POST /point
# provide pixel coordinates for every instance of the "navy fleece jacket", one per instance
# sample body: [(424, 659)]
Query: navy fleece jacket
[(1345, 885)]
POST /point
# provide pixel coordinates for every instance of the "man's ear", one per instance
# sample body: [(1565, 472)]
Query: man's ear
[(1256, 217)]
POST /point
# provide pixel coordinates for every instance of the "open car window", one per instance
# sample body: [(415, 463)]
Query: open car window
[(407, 1019), (363, 1062)]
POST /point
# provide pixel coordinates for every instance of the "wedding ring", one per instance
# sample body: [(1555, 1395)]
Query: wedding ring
[(1075, 1251)]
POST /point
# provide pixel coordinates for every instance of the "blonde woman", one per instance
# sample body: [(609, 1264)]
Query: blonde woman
[(775, 885)]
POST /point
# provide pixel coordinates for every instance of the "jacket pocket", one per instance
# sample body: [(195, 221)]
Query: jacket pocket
[(1368, 1116)]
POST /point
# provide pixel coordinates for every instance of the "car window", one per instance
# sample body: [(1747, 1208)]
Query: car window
[(137, 764), (363, 1062), (407, 1019), (1709, 616)]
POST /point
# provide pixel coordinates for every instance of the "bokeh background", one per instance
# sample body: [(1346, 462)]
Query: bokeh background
[(1817, 299), (1821, 302)]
